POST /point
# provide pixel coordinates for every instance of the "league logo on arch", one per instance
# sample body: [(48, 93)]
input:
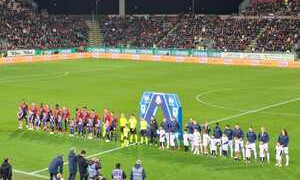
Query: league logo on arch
[(169, 104)]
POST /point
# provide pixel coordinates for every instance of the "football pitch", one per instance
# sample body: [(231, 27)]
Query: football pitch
[(250, 96)]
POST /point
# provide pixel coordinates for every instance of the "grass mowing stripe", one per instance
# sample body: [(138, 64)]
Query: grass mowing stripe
[(93, 155), (30, 174)]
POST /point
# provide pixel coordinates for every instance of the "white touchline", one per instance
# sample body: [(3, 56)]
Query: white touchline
[(255, 110), (93, 155), (30, 174)]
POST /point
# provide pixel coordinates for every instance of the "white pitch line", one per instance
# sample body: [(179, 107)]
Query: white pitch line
[(93, 155), (215, 105), (255, 110), (30, 174)]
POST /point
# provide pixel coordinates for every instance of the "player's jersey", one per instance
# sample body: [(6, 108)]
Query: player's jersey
[(143, 125), (132, 122), (66, 114), (217, 132), (263, 137), (283, 140), (251, 137), (123, 121), (229, 133), (238, 133)]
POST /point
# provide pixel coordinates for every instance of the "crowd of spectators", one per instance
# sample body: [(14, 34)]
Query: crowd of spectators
[(139, 31), (279, 35), (281, 8), (22, 29), (224, 34)]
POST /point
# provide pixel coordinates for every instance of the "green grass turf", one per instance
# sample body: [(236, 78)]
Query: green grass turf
[(118, 85)]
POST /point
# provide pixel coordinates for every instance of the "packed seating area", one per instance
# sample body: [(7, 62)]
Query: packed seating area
[(245, 32), (225, 33), (279, 35), (22, 29), (139, 31), (275, 7), (221, 33)]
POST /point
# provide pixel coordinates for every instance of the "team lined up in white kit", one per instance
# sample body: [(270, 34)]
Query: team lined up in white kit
[(229, 142)]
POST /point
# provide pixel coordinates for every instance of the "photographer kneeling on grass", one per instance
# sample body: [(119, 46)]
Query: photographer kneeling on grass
[(56, 168)]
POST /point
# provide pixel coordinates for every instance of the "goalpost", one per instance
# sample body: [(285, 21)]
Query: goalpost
[(169, 104)]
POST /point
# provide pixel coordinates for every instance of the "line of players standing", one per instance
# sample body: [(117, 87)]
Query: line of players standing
[(232, 141), (88, 123)]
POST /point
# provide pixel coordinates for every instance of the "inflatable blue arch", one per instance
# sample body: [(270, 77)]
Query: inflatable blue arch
[(169, 104)]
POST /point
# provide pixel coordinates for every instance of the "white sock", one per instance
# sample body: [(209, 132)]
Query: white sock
[(255, 155), (268, 157), (287, 159)]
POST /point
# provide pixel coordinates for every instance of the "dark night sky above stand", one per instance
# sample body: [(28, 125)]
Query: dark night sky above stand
[(140, 6)]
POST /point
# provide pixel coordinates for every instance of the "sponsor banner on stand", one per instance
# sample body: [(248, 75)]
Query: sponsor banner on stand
[(21, 52), (259, 56)]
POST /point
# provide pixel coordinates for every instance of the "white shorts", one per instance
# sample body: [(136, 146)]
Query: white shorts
[(172, 140), (191, 137), (252, 146), (205, 140), (238, 145), (264, 147), (168, 137), (261, 150), (225, 147), (285, 150), (218, 142), (248, 153)]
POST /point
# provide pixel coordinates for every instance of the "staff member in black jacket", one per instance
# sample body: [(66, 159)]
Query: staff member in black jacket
[(72, 164), (83, 165), (6, 170), (153, 131)]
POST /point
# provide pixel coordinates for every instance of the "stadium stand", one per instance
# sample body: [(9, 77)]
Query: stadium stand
[(275, 29), (273, 7), (20, 28), (140, 31)]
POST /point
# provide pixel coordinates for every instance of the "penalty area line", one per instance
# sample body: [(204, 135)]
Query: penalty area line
[(255, 110), (30, 174), (90, 156)]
